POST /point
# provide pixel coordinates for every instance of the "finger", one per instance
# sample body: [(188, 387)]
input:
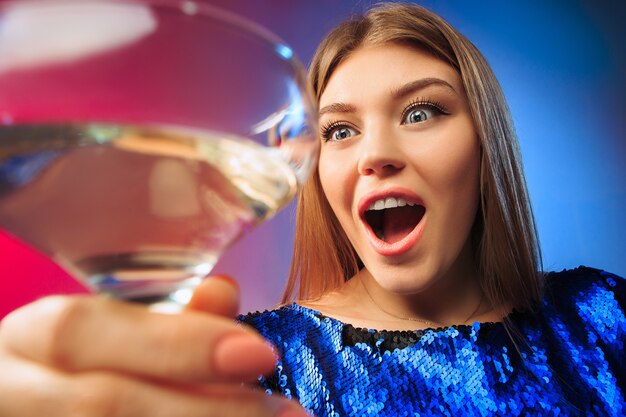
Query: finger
[(31, 390), (85, 332), (218, 294)]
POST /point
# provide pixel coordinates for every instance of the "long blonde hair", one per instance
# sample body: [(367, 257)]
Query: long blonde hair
[(504, 235)]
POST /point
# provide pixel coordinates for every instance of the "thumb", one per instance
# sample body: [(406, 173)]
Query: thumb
[(217, 294)]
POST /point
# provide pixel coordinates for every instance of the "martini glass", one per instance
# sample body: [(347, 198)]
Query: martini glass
[(139, 139)]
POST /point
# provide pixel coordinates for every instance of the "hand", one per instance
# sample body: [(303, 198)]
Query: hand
[(91, 356)]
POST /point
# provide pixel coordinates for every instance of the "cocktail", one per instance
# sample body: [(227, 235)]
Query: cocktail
[(139, 139)]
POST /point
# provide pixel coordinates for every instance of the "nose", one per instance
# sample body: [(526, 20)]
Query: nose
[(380, 155)]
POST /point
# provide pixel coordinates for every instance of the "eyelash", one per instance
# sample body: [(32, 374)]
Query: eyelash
[(424, 102), (328, 128)]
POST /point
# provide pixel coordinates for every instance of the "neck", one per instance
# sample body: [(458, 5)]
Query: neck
[(455, 298)]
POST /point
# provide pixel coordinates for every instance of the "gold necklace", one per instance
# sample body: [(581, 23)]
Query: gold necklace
[(423, 321)]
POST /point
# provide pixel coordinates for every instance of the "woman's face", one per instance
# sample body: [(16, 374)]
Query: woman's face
[(399, 164)]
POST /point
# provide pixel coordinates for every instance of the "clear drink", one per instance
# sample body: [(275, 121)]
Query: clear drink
[(139, 213), (141, 206)]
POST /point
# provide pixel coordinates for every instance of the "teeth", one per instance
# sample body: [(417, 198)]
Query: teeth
[(389, 202)]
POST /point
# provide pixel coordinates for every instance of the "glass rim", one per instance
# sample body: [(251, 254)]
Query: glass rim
[(190, 8)]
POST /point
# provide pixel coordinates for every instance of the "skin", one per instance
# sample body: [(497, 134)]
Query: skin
[(376, 142)]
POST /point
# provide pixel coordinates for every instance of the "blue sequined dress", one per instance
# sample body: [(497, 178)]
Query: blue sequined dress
[(572, 362)]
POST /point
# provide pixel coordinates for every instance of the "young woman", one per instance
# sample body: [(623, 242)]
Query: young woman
[(417, 224), (416, 268)]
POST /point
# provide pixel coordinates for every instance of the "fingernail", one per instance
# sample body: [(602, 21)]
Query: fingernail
[(243, 357), (227, 279)]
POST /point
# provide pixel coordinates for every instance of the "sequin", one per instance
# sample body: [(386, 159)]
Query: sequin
[(569, 362)]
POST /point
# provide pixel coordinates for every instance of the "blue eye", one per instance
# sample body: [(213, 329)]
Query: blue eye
[(337, 132), (421, 111), (342, 133), (418, 115)]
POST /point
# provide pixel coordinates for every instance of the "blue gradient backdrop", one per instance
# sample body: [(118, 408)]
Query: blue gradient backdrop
[(562, 65)]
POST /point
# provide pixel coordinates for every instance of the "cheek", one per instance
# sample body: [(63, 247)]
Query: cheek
[(466, 201), (331, 180), (325, 173), (338, 184), (464, 175), (455, 176)]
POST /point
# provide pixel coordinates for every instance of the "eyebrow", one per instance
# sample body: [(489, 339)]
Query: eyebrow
[(337, 108), (398, 93), (420, 84)]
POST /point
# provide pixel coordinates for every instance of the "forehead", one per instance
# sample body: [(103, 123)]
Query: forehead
[(377, 70)]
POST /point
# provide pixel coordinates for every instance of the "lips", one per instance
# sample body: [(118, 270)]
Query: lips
[(394, 220)]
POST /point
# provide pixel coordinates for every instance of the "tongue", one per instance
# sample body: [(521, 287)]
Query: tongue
[(399, 222)]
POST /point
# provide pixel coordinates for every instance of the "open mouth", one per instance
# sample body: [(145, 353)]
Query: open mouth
[(392, 219)]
